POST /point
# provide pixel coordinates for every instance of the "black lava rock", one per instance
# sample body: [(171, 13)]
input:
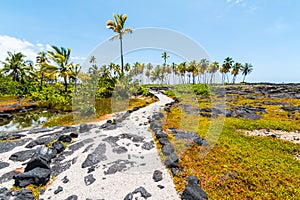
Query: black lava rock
[(143, 192), (193, 191), (89, 179), (72, 197), (36, 176), (167, 149), (65, 138), (58, 146), (37, 161), (157, 175), (22, 155), (95, 157), (58, 190), (172, 161), (148, 145)]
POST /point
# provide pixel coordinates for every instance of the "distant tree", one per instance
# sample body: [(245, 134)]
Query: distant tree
[(118, 27), (74, 72), (213, 68), (192, 68), (44, 70), (165, 57), (157, 74), (15, 66), (227, 65), (203, 66), (235, 71), (182, 68), (246, 70)]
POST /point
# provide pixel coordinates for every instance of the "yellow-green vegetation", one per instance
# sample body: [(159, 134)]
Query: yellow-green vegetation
[(265, 167)]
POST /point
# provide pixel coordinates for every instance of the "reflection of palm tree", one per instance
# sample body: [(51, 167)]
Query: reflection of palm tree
[(118, 27), (247, 69)]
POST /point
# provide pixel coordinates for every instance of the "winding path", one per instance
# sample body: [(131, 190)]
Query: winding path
[(110, 164)]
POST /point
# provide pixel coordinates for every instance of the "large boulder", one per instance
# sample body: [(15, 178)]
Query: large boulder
[(22, 155), (38, 161), (167, 149), (36, 176), (193, 191)]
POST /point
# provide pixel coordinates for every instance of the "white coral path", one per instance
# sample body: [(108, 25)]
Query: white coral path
[(117, 186)]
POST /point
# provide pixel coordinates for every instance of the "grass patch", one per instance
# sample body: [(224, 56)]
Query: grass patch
[(265, 167)]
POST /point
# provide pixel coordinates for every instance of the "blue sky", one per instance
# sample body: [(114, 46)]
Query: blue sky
[(262, 32)]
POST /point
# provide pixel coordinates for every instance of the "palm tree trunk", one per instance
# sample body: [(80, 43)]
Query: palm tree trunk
[(121, 48), (66, 84), (244, 78)]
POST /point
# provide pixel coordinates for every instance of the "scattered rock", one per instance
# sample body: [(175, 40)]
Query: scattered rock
[(58, 146), (157, 175), (89, 179), (58, 190), (172, 161), (72, 197), (65, 179), (3, 165), (95, 157), (193, 191), (167, 149), (84, 128), (22, 155), (65, 138), (36, 176), (143, 192), (119, 150), (8, 146), (148, 145)]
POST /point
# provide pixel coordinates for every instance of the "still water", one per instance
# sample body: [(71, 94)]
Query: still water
[(27, 119)]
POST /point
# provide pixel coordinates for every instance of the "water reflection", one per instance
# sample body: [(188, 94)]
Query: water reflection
[(26, 119)]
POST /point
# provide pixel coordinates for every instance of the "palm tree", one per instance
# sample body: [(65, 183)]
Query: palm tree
[(61, 58), (227, 65), (165, 56), (15, 66), (118, 27), (182, 67), (235, 71), (203, 65), (246, 70), (127, 67), (74, 72), (213, 68), (41, 61), (157, 74), (192, 68)]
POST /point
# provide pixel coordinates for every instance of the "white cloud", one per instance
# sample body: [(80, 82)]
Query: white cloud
[(30, 50), (8, 43)]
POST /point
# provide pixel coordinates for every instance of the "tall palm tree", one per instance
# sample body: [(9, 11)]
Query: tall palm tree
[(74, 72), (227, 65), (213, 68), (246, 70), (41, 61), (165, 56), (118, 27), (61, 58), (192, 68), (15, 66), (235, 71), (203, 66), (182, 68)]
